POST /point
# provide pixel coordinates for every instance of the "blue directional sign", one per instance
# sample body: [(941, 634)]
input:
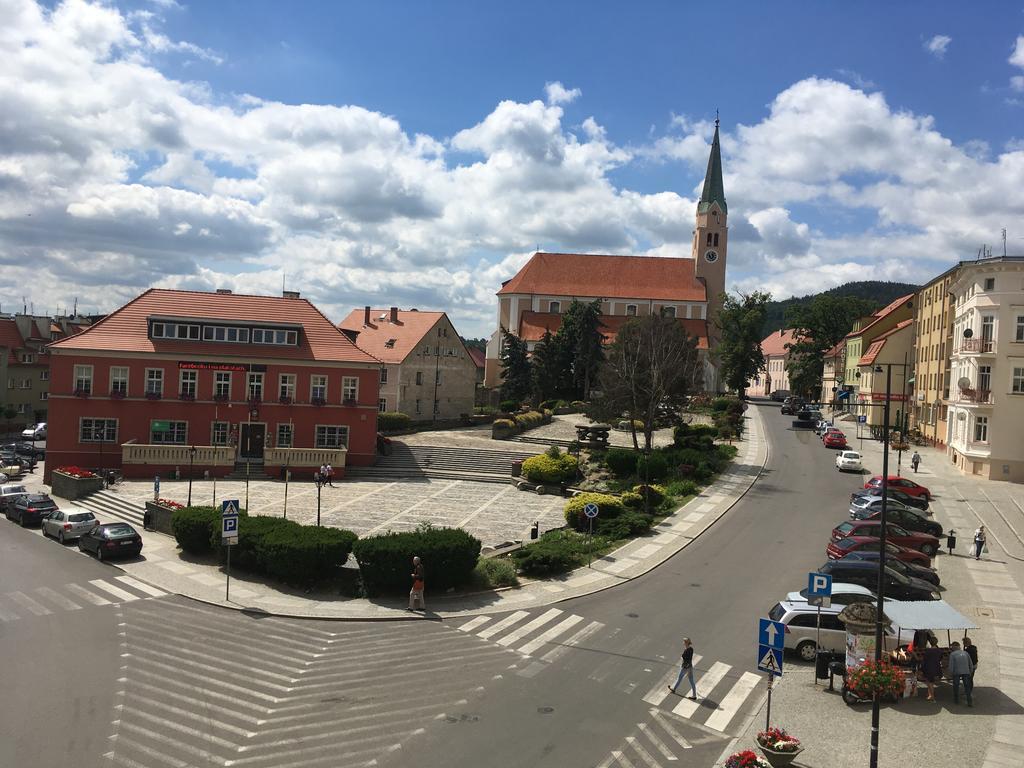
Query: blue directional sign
[(769, 660), (819, 585), (591, 510), (771, 633)]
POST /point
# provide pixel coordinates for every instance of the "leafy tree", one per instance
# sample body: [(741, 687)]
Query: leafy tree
[(582, 345), (877, 292), (515, 368), (819, 325), (651, 364), (739, 351), (547, 368)]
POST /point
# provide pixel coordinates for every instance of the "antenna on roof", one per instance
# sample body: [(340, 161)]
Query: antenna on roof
[(75, 314)]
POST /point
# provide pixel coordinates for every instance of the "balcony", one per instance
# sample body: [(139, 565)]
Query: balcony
[(974, 396), (977, 346)]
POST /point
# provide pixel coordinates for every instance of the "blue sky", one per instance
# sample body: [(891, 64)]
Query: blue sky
[(164, 143)]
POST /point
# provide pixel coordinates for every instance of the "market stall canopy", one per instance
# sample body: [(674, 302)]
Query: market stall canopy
[(927, 614)]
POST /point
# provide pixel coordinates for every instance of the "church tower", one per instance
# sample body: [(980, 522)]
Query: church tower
[(711, 237)]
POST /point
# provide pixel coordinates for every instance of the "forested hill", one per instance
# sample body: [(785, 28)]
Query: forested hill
[(878, 292)]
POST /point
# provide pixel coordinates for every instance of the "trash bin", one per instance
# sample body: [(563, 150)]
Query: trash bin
[(835, 668), (821, 665), (951, 540)]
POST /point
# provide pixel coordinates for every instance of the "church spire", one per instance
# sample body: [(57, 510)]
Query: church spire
[(714, 189)]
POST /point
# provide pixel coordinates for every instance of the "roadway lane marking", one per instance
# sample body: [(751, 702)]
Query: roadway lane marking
[(526, 629), (86, 595), (728, 707), (505, 623), (622, 759), (551, 634), (644, 754), (140, 586), (658, 743), (705, 683), (58, 599), (573, 641), (120, 594), (666, 726), (27, 602), (472, 624), (660, 691)]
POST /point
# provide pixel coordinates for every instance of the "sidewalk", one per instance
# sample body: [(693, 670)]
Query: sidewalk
[(163, 566), (917, 732)]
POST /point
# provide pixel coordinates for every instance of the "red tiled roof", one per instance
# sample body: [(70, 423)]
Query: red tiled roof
[(126, 329), (478, 355), (10, 337), (875, 347), (775, 344), (837, 350), (407, 333), (602, 277), (533, 324), (883, 312)]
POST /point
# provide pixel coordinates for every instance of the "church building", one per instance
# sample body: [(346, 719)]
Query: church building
[(689, 289)]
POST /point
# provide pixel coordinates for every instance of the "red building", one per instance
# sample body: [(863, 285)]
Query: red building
[(261, 381)]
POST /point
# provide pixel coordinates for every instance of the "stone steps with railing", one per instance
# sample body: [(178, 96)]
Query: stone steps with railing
[(411, 461)]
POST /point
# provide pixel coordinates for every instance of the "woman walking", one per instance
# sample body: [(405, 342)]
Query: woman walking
[(979, 542), (686, 669)]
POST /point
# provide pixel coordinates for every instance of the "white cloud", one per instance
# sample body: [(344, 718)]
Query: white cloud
[(937, 45), (559, 94), (1017, 60)]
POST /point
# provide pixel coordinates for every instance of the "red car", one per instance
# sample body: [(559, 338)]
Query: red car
[(835, 440), (839, 549), (898, 535), (909, 487)]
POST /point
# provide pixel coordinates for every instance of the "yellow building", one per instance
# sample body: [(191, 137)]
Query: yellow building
[(932, 346), (865, 331)]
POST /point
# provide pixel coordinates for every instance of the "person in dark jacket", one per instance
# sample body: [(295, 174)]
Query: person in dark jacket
[(972, 651), (416, 593), (931, 666), (686, 669)]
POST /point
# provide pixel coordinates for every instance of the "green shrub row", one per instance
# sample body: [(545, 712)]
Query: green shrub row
[(194, 527), (393, 422), (553, 553), (449, 556), (546, 469), (608, 507), (529, 420)]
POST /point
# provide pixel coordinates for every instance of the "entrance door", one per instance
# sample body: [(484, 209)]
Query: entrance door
[(251, 444)]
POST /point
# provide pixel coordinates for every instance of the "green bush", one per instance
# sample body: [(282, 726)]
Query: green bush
[(652, 467), (720, 403), (449, 556), (503, 424), (495, 572), (304, 554), (626, 526), (628, 425), (682, 488), (251, 532), (578, 404), (655, 494), (509, 406), (544, 469), (529, 419), (393, 422), (194, 528), (726, 432), (554, 552), (632, 500), (621, 462), (608, 507), (554, 452)]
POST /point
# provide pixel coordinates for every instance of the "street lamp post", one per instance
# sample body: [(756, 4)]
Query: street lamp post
[(319, 484), (191, 464), (879, 616)]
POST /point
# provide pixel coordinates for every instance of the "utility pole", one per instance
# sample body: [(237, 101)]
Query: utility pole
[(437, 374)]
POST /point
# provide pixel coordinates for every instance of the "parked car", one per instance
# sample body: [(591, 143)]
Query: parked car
[(30, 509), (111, 540), (9, 457), (843, 593), (829, 430), (838, 549), (779, 395), (897, 534), (834, 439), (862, 507), (66, 524), (918, 502), (820, 426), (9, 492), (792, 404), (911, 519), (848, 461), (801, 622), (907, 569), (36, 432), (865, 573), (901, 483)]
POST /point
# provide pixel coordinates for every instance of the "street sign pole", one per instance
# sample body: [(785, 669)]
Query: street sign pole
[(817, 644), (227, 584), (591, 510), (768, 713), (819, 589), (228, 537)]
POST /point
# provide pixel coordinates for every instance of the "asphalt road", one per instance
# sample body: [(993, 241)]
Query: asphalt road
[(161, 681)]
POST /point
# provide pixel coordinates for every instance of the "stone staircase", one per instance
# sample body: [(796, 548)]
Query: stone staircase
[(112, 507), (255, 472), (477, 465), (549, 441)]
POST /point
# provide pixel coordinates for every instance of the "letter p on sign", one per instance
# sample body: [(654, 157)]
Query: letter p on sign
[(819, 585)]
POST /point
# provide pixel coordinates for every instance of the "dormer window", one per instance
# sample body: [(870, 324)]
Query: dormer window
[(175, 331), (390, 343)]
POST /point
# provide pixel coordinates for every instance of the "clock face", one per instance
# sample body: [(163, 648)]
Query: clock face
[(710, 256)]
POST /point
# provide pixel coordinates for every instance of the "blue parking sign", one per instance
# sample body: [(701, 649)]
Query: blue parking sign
[(819, 585)]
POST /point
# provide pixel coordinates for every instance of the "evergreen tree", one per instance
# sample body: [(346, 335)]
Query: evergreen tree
[(515, 368), (547, 368), (739, 350), (581, 343)]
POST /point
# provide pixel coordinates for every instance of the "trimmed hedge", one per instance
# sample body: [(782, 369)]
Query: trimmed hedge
[(194, 528), (621, 462), (683, 488), (626, 526), (508, 406), (608, 507), (305, 554), (545, 469), (529, 420), (393, 422), (655, 494), (553, 553), (632, 500), (449, 556)]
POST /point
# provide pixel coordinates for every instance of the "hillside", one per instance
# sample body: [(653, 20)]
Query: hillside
[(876, 291)]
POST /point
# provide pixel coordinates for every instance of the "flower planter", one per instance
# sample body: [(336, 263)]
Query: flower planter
[(71, 488), (779, 759), (158, 518)]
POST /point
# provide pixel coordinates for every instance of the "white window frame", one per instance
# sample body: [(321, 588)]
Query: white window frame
[(119, 375), (174, 430), (555, 307), (329, 436), (633, 307), (83, 378), (285, 434), (981, 429), (668, 311), (349, 389), (286, 383), (44, 395), (382, 405), (44, 375), (93, 423), (27, 357), (188, 383), (254, 386), (217, 427), (419, 378), (222, 384), (151, 379), (318, 382), (1017, 380), (1019, 334)]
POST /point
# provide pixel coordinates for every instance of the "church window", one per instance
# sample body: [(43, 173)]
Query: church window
[(716, 239), (710, 239)]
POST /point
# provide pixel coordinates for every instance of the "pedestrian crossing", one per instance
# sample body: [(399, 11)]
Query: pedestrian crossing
[(46, 601), (543, 637), (656, 742)]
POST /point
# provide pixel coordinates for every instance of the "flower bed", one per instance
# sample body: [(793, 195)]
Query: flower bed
[(159, 514), (73, 482), (869, 677), (74, 471)]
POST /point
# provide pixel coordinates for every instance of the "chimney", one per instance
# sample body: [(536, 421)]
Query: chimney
[(366, 315), (394, 314), (223, 290), (289, 294)]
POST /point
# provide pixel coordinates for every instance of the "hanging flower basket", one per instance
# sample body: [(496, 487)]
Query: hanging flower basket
[(779, 748), (869, 678)]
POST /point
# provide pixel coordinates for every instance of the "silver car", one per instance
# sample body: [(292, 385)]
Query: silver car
[(8, 493), (68, 524), (864, 506)]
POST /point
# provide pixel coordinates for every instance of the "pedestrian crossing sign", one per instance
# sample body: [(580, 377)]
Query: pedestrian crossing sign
[(229, 507), (769, 660)]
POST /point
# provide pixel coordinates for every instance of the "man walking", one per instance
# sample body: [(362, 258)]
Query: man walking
[(972, 650), (686, 669), (961, 670), (330, 475), (416, 593), (979, 542), (915, 460)]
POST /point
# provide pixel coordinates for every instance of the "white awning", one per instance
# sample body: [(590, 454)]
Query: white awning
[(926, 614)]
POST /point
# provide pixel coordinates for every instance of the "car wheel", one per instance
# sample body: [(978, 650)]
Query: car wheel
[(23, 523), (42, 530), (806, 651), (99, 554), (60, 537), (929, 549), (81, 548)]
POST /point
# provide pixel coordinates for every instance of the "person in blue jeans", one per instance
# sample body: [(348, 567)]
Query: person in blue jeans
[(686, 669), (961, 670)]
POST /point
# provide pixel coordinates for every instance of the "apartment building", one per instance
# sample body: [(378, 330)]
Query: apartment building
[(775, 350), (864, 332), (933, 336)]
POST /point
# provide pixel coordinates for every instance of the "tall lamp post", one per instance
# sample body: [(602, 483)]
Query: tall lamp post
[(879, 616), (191, 464), (319, 484)]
